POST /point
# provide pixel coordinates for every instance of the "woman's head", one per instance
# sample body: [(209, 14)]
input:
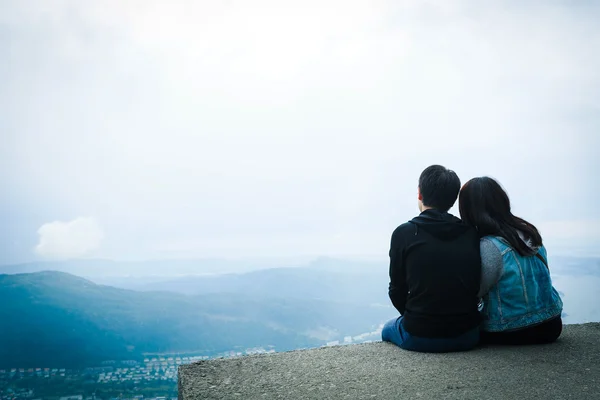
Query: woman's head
[(485, 205)]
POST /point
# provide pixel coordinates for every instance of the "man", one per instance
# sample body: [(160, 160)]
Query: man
[(435, 270)]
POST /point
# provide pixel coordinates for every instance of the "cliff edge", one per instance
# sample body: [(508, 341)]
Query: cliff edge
[(567, 369)]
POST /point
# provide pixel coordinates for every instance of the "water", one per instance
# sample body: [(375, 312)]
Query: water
[(581, 297)]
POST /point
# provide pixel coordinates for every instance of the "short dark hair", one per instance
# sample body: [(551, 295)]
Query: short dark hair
[(485, 205), (439, 187)]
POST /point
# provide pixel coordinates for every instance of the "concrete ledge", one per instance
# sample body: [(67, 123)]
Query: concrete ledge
[(568, 369)]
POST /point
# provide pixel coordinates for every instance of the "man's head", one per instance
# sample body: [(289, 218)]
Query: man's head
[(438, 188)]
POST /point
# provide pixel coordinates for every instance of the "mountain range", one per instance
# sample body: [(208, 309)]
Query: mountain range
[(57, 319)]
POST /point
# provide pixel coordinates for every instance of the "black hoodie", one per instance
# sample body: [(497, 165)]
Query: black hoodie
[(435, 271)]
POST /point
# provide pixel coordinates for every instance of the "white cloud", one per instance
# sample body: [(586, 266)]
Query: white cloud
[(63, 240)]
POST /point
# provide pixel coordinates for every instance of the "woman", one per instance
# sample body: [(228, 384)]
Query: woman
[(520, 306)]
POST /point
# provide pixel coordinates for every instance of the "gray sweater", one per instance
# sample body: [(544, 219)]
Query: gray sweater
[(492, 266)]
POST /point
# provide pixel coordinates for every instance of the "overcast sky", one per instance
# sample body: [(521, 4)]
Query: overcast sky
[(157, 129)]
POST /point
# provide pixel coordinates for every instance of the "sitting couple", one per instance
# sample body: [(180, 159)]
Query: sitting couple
[(442, 269)]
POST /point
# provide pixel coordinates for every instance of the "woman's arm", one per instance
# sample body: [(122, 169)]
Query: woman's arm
[(492, 266)]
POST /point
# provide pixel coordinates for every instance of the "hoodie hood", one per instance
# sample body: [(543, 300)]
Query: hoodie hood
[(442, 225)]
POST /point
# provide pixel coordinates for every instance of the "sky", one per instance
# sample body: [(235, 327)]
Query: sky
[(137, 129)]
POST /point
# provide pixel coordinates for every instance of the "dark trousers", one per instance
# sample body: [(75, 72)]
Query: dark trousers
[(394, 332), (546, 332)]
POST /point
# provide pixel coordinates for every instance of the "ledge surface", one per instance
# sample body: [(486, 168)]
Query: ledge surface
[(567, 369)]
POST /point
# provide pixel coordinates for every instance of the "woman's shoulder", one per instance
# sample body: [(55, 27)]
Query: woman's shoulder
[(487, 246), (495, 243), (542, 250), (493, 239)]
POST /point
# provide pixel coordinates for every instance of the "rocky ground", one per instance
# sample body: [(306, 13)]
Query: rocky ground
[(568, 369)]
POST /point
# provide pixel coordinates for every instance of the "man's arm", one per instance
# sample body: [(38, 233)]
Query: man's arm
[(398, 289)]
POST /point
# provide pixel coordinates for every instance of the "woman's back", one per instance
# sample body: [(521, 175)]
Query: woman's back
[(519, 288)]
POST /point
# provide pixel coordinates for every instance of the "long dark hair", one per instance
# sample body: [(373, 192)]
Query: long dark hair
[(484, 204)]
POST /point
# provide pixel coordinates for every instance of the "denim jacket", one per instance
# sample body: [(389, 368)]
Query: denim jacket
[(524, 295)]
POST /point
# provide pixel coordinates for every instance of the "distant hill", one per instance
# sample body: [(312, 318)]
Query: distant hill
[(100, 267), (353, 281), (367, 286), (57, 319)]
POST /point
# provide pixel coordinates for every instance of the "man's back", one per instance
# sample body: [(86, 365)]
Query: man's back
[(435, 270)]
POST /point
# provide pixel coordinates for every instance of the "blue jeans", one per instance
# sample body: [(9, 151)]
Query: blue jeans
[(394, 332)]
